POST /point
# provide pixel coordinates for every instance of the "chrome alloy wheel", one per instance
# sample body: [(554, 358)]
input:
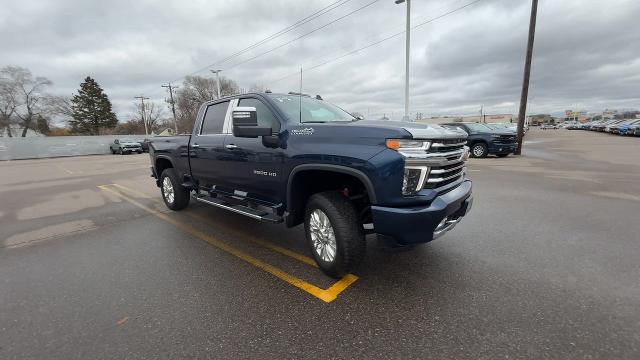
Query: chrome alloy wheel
[(167, 190), (478, 151), (322, 235)]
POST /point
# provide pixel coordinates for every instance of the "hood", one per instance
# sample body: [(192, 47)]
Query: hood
[(130, 143), (417, 131)]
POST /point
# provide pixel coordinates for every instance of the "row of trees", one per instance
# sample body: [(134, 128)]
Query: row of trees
[(24, 101)]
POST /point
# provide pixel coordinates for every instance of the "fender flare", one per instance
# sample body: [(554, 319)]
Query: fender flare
[(335, 168)]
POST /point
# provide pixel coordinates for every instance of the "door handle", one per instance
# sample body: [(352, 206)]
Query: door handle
[(231, 146), (195, 146)]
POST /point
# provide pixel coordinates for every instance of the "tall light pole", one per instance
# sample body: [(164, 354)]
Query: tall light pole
[(217, 72), (527, 72), (406, 59)]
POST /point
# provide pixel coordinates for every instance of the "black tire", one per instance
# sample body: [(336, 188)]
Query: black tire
[(180, 194), (139, 151), (502, 155), (349, 237), (112, 151), (479, 150)]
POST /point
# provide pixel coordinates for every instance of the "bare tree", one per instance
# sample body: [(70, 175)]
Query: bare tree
[(59, 106), (29, 92), (8, 100), (153, 114), (195, 91), (255, 88)]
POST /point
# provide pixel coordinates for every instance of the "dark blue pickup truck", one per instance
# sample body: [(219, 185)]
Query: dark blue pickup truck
[(297, 159)]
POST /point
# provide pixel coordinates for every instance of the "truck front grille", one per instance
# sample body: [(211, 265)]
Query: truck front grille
[(446, 162), (505, 140)]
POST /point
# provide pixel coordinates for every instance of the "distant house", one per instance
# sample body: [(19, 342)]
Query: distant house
[(166, 132)]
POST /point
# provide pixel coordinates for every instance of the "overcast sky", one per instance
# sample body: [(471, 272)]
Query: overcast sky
[(586, 55)]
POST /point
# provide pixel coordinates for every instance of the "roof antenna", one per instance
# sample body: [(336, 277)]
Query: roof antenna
[(300, 96)]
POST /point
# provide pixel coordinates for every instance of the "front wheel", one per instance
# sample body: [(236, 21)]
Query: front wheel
[(175, 196), (334, 233), (479, 150)]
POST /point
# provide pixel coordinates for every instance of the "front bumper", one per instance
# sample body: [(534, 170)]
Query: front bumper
[(502, 148), (420, 224)]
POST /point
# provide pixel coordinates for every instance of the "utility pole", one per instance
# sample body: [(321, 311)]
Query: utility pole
[(217, 72), (144, 121), (527, 73), (173, 105), (406, 59)]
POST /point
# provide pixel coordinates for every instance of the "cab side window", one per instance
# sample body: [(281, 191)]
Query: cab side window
[(214, 118), (265, 115)]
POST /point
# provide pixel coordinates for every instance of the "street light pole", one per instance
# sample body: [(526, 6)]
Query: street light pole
[(217, 72), (406, 60)]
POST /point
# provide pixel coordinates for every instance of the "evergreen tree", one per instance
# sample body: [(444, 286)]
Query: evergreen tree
[(91, 109)]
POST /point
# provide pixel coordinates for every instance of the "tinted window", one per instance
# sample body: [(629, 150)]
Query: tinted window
[(307, 110), (265, 116), (214, 118)]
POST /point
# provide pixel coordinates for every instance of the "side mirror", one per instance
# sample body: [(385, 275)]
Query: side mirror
[(245, 123)]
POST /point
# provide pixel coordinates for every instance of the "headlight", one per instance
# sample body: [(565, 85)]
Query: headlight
[(403, 145), (413, 180)]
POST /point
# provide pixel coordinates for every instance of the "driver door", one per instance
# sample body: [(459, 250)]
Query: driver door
[(254, 167)]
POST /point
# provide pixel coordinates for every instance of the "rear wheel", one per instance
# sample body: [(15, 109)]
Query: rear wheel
[(334, 233), (175, 196), (479, 150)]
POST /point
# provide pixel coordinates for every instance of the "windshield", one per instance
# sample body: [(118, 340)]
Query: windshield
[(478, 127), (308, 110)]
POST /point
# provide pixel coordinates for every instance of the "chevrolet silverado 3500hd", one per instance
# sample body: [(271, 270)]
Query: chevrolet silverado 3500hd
[(300, 160)]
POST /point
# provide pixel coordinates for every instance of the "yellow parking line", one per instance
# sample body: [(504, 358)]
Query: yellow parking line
[(279, 249), (327, 295)]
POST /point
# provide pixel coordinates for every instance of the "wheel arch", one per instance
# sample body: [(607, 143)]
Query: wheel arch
[(161, 163), (296, 185)]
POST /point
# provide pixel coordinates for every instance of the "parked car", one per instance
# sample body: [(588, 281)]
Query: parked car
[(484, 140), (145, 144), (300, 160), (125, 146), (624, 127), (549, 127), (634, 129)]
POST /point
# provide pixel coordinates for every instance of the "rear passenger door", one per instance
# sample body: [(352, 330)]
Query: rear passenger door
[(207, 146)]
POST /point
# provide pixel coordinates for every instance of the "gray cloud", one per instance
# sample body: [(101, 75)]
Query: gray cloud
[(586, 53)]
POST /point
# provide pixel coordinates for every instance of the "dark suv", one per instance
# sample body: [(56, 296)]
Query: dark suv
[(484, 140)]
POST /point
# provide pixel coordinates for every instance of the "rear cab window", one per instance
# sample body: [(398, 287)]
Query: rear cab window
[(214, 118)]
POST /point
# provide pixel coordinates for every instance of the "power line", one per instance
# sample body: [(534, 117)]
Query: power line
[(275, 35), (303, 35), (318, 13), (379, 41)]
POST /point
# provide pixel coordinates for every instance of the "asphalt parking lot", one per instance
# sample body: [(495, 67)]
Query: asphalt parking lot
[(546, 265)]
